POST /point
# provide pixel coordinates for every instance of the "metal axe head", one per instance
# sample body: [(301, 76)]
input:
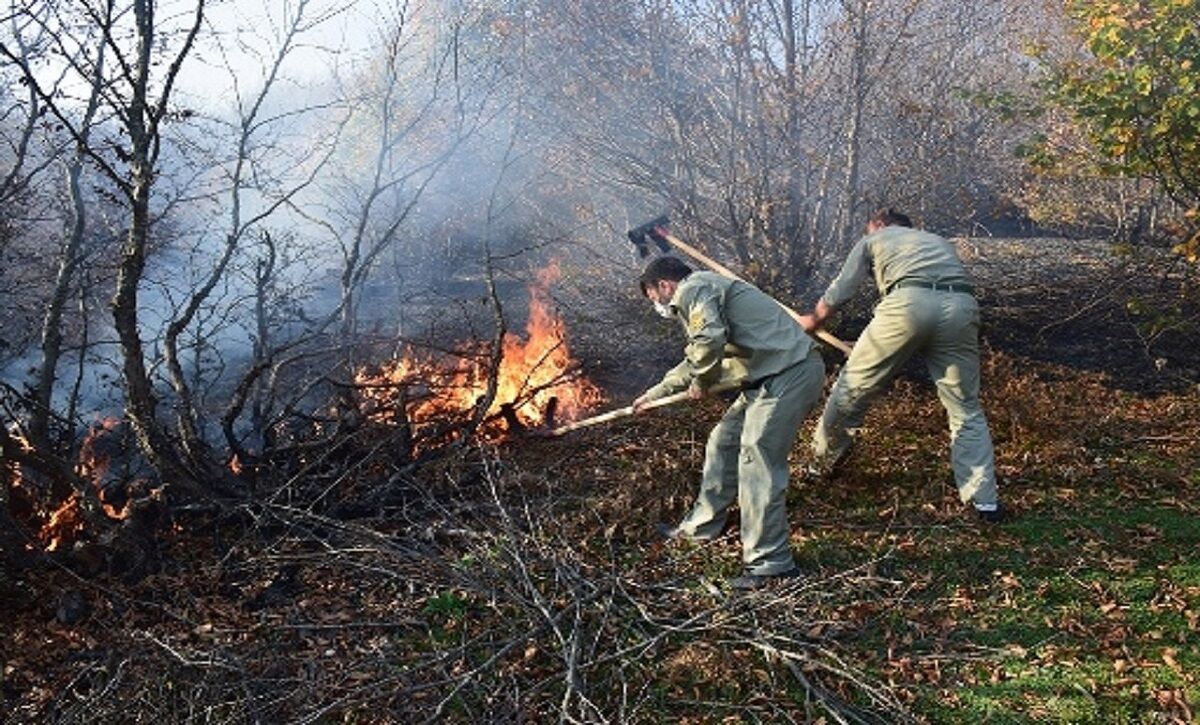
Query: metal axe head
[(641, 236)]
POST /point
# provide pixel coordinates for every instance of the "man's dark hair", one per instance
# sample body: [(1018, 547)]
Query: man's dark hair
[(663, 268), (890, 218)]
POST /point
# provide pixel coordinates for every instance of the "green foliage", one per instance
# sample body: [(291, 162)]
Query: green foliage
[(447, 605), (1136, 92)]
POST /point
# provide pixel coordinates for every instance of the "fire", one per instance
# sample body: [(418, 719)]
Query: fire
[(19, 436), (66, 521), (64, 524), (94, 463), (535, 369)]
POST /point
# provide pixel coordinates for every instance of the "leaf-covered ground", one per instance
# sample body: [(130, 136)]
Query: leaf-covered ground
[(524, 584)]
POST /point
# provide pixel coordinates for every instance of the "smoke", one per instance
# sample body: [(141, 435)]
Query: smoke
[(359, 168)]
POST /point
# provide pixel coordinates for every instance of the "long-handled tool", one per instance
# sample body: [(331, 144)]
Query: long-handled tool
[(656, 231), (628, 410)]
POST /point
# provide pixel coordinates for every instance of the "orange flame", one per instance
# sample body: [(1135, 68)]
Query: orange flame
[(66, 521), (533, 370), (64, 524), (94, 464)]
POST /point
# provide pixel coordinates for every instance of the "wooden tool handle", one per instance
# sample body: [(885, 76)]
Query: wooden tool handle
[(820, 334), (726, 272), (628, 410), (696, 254)]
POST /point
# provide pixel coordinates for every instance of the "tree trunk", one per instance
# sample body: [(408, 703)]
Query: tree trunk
[(71, 257), (853, 139), (140, 398), (800, 256), (142, 403), (52, 338)]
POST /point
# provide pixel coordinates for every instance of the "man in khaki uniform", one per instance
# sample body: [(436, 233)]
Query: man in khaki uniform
[(734, 330), (928, 308)]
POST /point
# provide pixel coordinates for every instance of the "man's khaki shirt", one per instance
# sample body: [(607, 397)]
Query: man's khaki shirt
[(896, 253), (735, 332)]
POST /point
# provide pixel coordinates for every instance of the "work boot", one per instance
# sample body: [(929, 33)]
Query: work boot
[(993, 516), (839, 464), (749, 582), (823, 469), (670, 532)]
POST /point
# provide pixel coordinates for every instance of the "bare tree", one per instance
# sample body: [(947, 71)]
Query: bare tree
[(410, 114), (401, 168), (252, 123), (137, 95), (70, 258), (28, 146), (768, 127), (143, 116), (26, 110)]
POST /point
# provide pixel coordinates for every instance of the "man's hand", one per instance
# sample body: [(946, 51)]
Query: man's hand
[(695, 392), (639, 403), (821, 312), (813, 321)]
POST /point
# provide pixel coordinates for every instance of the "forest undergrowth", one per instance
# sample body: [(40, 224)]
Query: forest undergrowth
[(524, 583)]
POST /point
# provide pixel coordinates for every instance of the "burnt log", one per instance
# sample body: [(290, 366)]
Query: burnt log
[(509, 413), (13, 539), (128, 549)]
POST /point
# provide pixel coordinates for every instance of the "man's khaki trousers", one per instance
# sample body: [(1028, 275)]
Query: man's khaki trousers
[(747, 459), (942, 327)]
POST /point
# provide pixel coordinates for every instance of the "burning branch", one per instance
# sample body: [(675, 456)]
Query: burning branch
[(496, 359), (521, 380)]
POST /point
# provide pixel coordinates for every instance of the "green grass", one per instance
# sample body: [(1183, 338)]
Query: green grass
[(1097, 604)]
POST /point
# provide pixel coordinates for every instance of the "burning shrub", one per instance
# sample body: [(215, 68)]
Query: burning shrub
[(434, 395)]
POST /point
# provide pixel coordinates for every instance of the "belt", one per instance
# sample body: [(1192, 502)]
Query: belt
[(959, 287)]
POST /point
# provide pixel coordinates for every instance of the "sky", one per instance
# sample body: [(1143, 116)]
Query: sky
[(242, 36)]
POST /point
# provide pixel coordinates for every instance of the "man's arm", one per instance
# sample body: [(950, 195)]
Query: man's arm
[(816, 319), (706, 336), (701, 367), (842, 288), (676, 379)]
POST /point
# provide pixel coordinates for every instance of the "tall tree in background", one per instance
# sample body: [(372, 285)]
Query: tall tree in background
[(769, 128), (71, 255), (261, 178), (142, 113)]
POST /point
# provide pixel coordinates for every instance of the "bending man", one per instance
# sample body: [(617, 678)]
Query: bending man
[(746, 458), (928, 308)]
